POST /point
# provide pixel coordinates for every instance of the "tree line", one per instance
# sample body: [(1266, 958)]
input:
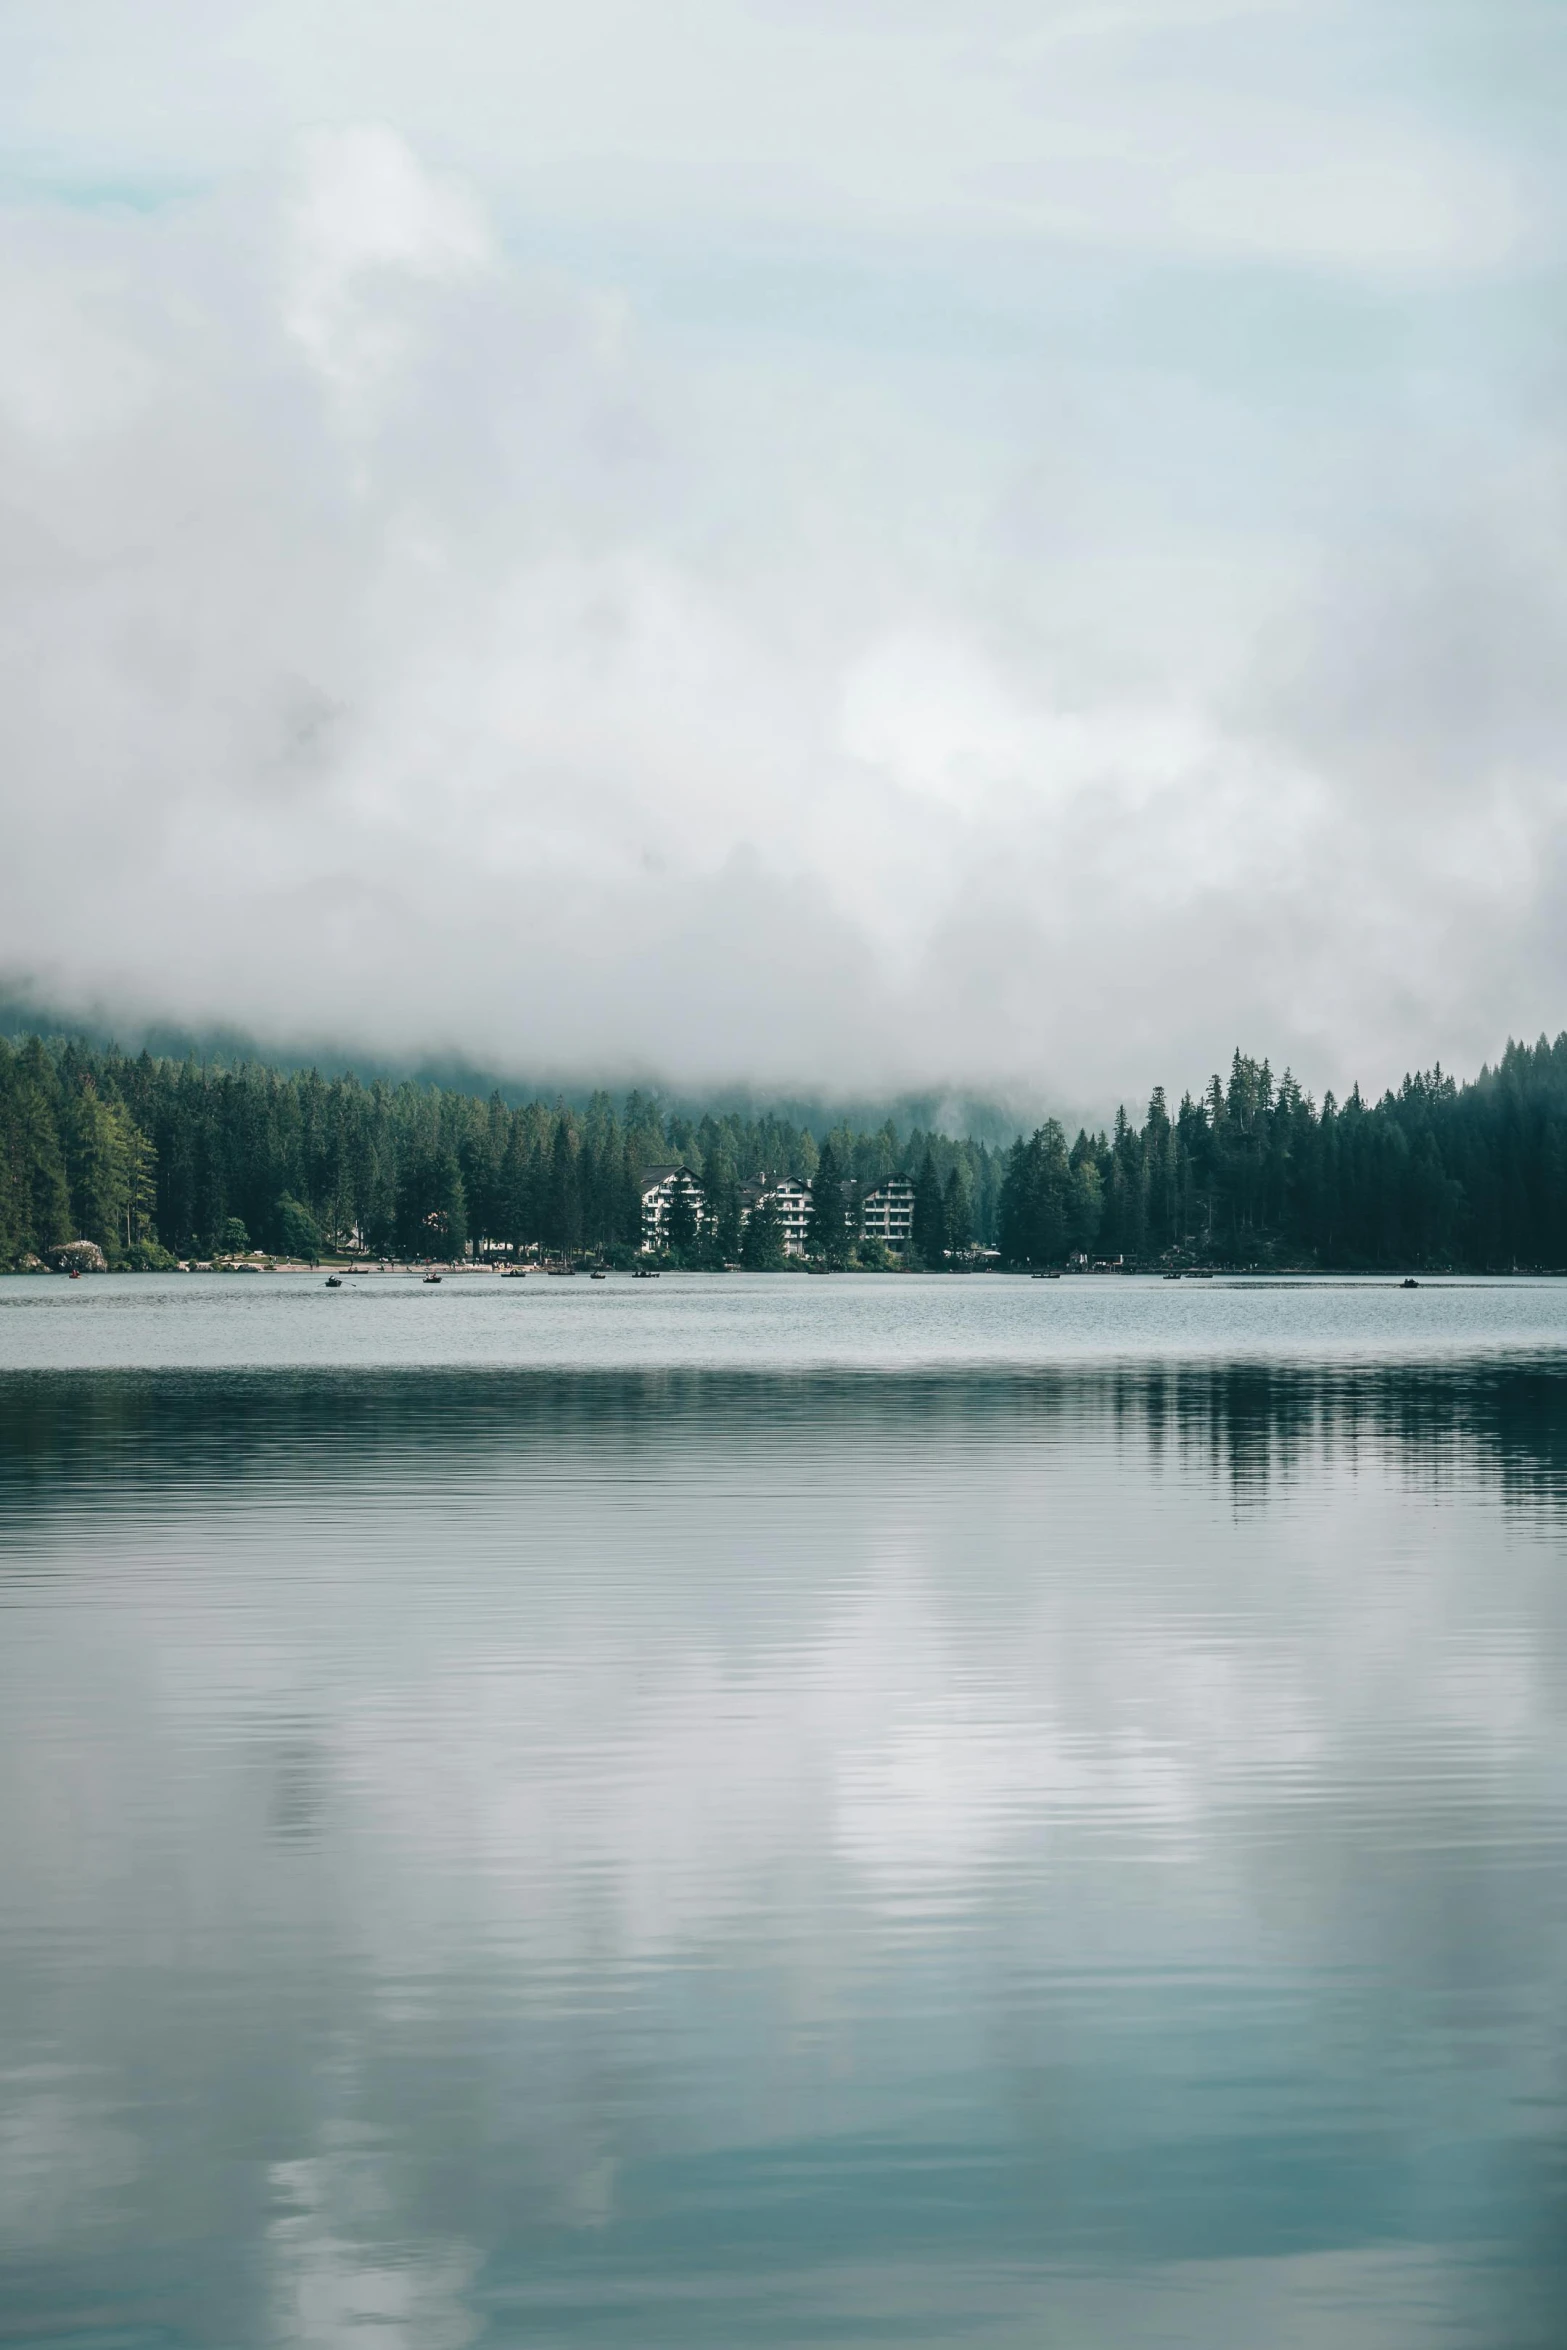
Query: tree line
[(156, 1159), (1470, 1176)]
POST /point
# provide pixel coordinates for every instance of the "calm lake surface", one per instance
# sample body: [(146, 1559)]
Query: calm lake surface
[(749, 1811)]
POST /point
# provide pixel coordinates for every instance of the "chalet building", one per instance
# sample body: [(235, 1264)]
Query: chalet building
[(887, 1213), (659, 1186), (793, 1203)]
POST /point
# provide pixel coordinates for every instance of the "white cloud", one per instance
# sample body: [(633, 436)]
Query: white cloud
[(1259, 129), (1029, 677), (364, 215)]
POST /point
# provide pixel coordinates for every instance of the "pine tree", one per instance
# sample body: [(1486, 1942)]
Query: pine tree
[(682, 1228), (957, 1212), (560, 1225), (831, 1237), (928, 1233), (762, 1241)]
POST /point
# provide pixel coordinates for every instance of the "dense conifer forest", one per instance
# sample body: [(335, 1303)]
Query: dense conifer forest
[(156, 1159), (159, 1159)]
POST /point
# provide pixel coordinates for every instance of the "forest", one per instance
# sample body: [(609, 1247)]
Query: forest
[(157, 1160)]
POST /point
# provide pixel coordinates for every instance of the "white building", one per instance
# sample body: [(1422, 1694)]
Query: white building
[(887, 1213), (791, 1199), (793, 1202), (659, 1186)]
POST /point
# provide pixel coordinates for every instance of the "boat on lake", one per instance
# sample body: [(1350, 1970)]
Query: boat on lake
[(435, 1278)]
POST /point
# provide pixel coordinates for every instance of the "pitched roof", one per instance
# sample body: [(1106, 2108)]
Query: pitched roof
[(652, 1177)]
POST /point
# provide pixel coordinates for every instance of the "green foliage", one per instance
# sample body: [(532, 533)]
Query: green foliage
[(146, 1256), (681, 1230), (1434, 1175), (298, 1233), (432, 1206), (957, 1213), (73, 1161), (144, 1157), (928, 1235), (1035, 1198), (834, 1217), (723, 1231), (1085, 1200), (762, 1242), (36, 1215)]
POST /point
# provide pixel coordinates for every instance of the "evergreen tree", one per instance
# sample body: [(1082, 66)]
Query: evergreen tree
[(431, 1210), (721, 1189), (1035, 1197), (142, 1154), (1084, 1198), (832, 1236), (560, 1225), (682, 1229), (929, 1220), (35, 1108), (298, 1233), (762, 1241), (957, 1212)]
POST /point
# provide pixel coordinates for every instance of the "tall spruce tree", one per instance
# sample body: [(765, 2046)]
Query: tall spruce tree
[(929, 1221), (682, 1228), (762, 1241), (957, 1212), (831, 1237)]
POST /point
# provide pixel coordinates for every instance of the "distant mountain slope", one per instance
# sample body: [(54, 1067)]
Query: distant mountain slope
[(965, 1117)]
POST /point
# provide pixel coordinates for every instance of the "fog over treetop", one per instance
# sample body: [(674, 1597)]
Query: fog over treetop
[(852, 549)]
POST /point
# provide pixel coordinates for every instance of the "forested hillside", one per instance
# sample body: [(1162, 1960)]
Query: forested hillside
[(1436, 1174), (152, 1158)]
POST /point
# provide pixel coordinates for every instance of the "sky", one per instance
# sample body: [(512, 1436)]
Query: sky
[(842, 547)]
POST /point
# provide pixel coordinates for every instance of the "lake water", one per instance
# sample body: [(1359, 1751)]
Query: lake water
[(757, 1811)]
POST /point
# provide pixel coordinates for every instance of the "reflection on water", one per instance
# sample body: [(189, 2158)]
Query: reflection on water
[(668, 1857)]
